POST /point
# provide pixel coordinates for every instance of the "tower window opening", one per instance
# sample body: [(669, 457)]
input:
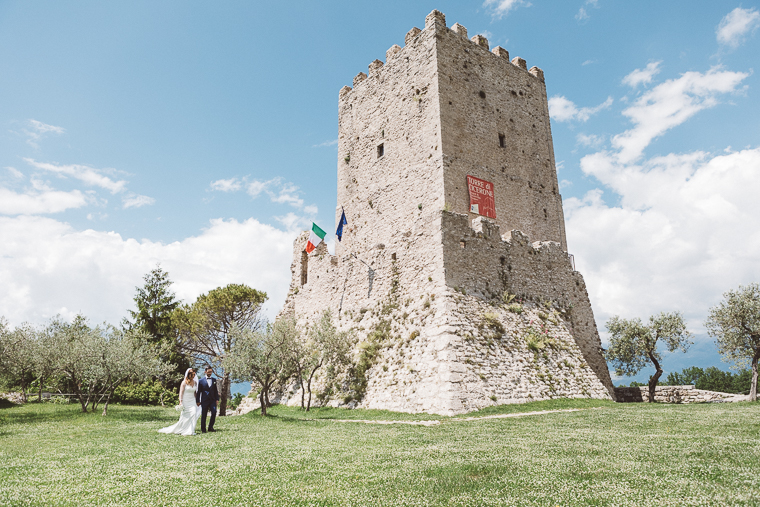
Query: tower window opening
[(380, 150), (502, 141), (393, 256), (482, 94)]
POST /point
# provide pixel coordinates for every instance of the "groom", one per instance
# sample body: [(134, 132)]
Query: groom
[(207, 398)]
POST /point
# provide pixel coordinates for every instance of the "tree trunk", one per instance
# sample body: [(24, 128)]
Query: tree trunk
[(654, 379), (39, 392), (308, 405), (261, 400), (105, 406), (753, 384), (303, 391), (225, 394)]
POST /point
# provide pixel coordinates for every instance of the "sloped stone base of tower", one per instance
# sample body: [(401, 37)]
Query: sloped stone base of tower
[(471, 354), (453, 317)]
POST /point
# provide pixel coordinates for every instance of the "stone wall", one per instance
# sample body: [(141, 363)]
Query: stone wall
[(674, 394)]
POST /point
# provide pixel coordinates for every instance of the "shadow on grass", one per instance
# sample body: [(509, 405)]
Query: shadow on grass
[(36, 413), (6, 404), (295, 414)]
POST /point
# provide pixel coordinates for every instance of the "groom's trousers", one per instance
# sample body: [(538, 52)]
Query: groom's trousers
[(204, 412)]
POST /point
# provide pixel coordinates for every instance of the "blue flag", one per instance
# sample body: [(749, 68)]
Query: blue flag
[(343, 222)]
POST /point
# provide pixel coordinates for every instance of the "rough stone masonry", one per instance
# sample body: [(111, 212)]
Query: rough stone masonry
[(452, 311)]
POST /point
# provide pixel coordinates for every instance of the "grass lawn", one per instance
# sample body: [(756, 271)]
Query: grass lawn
[(614, 454)]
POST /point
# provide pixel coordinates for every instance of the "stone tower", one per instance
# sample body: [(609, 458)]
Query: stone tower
[(440, 149)]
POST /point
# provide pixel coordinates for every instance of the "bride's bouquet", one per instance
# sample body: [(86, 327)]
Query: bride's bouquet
[(178, 408)]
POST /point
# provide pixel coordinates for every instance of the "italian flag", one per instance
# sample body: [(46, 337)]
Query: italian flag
[(315, 237)]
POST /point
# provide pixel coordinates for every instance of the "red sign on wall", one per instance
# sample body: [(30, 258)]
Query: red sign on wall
[(482, 199)]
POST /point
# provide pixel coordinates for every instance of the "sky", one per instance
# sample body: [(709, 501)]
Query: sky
[(203, 136)]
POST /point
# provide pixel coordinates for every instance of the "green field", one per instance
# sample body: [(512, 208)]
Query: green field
[(606, 454)]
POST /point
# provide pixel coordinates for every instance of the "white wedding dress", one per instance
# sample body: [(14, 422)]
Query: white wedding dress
[(190, 412)]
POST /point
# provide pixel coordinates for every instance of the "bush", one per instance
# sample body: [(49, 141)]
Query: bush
[(712, 379), (147, 393), (236, 400)]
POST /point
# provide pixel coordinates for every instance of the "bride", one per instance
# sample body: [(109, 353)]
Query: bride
[(190, 410)]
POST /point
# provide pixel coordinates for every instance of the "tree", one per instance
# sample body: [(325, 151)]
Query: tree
[(122, 357), (326, 346), (205, 327), (98, 360), (155, 303), (688, 376), (633, 344), (17, 350), (261, 356), (735, 324)]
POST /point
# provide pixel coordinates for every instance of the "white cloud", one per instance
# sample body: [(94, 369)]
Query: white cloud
[(311, 209), (334, 142), (669, 104), (15, 172), (735, 26), (37, 130), (256, 187), (36, 202), (49, 266), (590, 140), (500, 8), (583, 14), (642, 76), (88, 175), (294, 223), (588, 62), (43, 128), (136, 201), (230, 185), (685, 231), (563, 109), (288, 194)]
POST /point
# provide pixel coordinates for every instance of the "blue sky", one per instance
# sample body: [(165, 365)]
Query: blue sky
[(202, 136)]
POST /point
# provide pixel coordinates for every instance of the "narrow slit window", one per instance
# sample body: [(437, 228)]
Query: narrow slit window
[(380, 150), (502, 141), (304, 267)]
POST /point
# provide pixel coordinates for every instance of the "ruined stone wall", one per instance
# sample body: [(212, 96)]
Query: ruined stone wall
[(674, 394)]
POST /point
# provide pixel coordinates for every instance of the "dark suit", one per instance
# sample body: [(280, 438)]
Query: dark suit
[(207, 396)]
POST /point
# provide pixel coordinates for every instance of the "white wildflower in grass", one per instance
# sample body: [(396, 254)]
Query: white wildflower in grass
[(605, 454)]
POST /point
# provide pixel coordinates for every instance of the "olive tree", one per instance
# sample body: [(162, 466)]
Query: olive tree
[(634, 344), (205, 327), (735, 324), (96, 360), (325, 346), (261, 356), (18, 348)]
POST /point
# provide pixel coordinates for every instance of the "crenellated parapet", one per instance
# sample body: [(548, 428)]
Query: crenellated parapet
[(436, 21)]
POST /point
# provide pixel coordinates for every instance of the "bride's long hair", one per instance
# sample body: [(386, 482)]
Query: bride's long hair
[(189, 376)]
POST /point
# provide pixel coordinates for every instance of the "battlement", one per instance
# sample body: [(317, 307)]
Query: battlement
[(436, 21)]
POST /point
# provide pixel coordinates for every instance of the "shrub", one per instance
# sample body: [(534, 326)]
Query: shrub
[(147, 393), (515, 308)]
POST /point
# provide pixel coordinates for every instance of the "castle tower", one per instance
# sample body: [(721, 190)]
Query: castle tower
[(441, 148)]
